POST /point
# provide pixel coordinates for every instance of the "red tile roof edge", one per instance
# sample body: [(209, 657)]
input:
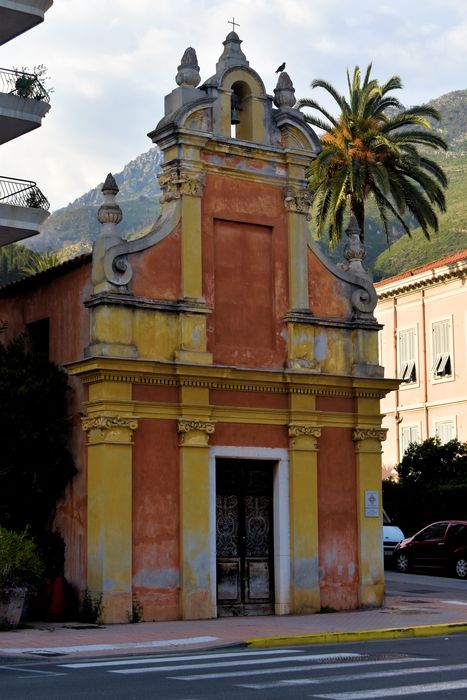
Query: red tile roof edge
[(440, 262), (12, 288)]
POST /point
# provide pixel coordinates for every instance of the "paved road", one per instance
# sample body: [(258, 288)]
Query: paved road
[(422, 669), (426, 586)]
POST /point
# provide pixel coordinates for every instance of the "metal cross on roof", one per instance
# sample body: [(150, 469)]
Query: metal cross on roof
[(233, 23)]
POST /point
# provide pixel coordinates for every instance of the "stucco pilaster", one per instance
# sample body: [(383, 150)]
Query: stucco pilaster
[(303, 494), (110, 511), (297, 203), (367, 442), (197, 600)]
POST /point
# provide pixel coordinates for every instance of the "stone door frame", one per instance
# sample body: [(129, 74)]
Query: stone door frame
[(281, 517)]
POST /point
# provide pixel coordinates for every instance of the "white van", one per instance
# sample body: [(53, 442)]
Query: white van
[(392, 535)]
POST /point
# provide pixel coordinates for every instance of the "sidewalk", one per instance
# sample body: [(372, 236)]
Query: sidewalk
[(402, 616)]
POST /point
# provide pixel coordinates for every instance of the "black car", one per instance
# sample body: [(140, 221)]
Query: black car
[(441, 545)]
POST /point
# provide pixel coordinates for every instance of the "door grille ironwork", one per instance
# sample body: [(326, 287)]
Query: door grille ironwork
[(244, 537)]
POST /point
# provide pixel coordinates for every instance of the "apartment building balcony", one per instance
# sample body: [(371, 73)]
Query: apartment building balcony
[(23, 209), (17, 16), (24, 102)]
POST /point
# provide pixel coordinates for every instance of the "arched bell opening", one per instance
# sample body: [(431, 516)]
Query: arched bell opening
[(241, 114)]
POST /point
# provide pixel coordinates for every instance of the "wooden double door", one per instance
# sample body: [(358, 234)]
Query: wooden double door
[(244, 537)]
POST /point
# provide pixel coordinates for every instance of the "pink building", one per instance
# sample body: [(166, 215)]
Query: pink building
[(423, 343)]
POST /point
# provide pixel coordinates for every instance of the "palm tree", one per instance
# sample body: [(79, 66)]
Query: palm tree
[(39, 262), (371, 151)]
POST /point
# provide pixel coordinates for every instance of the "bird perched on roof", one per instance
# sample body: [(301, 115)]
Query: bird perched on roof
[(281, 68)]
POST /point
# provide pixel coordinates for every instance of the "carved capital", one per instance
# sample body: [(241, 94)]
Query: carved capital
[(109, 428), (169, 185), (192, 184), (173, 184), (369, 434), (194, 433), (304, 436), (298, 200)]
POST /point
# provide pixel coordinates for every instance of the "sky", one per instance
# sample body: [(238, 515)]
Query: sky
[(111, 62)]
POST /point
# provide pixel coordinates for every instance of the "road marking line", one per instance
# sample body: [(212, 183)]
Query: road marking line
[(108, 647), (288, 669), (395, 692), (30, 670), (454, 602), (165, 659), (189, 667), (356, 676)]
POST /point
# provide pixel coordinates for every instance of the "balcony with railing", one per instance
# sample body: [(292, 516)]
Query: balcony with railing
[(23, 209), (18, 16), (24, 102)]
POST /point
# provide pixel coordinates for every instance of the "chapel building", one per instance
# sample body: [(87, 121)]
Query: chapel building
[(226, 389)]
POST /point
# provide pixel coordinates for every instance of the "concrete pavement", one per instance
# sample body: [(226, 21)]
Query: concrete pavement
[(404, 615)]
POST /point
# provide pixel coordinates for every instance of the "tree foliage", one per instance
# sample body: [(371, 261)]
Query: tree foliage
[(371, 151), (431, 484), (35, 463)]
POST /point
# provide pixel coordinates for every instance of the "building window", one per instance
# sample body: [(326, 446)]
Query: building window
[(407, 355), (445, 429), (37, 337), (408, 434), (441, 333)]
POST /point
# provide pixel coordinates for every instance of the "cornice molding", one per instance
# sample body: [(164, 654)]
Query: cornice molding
[(212, 383), (184, 305), (412, 284)]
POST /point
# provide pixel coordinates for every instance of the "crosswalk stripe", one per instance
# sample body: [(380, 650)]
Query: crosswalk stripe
[(287, 669), (189, 667), (395, 692), (355, 676), (187, 657)]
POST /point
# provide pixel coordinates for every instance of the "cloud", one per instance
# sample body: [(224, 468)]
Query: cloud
[(111, 62)]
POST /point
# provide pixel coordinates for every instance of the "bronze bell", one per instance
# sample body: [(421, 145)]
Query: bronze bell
[(234, 107)]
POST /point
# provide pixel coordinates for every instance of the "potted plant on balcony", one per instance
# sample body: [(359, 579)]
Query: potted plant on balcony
[(24, 85), (21, 569)]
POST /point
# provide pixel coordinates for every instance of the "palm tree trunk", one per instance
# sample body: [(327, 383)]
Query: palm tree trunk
[(357, 208)]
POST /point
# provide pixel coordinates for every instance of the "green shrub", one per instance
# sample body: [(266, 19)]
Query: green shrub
[(91, 608), (20, 562)]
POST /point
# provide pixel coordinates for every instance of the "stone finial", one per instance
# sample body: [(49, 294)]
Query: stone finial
[(110, 185), (354, 250), (284, 92), (109, 215), (232, 54), (188, 70), (109, 212)]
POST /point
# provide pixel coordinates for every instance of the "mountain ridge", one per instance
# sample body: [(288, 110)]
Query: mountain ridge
[(75, 226)]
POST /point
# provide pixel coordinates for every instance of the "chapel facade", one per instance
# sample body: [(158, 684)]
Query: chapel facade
[(226, 385)]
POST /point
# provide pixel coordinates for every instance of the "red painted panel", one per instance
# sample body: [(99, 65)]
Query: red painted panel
[(335, 404), (243, 435), (245, 272), (156, 394), (327, 294), (257, 399), (337, 519), (157, 271), (156, 518), (243, 286)]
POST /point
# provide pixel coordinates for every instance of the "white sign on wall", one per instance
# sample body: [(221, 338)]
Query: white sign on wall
[(371, 504)]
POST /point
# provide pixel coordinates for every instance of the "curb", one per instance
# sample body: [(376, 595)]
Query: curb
[(358, 635)]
